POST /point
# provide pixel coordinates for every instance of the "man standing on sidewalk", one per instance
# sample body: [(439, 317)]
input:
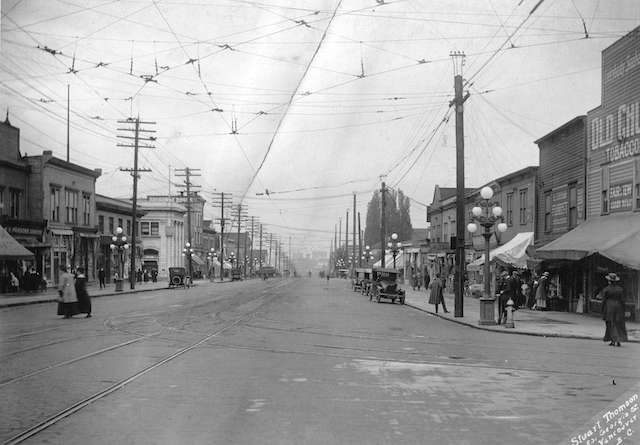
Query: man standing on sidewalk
[(101, 277), (436, 293)]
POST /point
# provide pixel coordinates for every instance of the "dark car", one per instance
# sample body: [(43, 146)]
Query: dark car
[(177, 276)]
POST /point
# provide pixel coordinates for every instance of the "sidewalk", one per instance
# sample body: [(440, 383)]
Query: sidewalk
[(51, 294), (527, 322)]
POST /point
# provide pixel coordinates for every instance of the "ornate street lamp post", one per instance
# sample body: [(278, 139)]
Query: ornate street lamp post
[(367, 256), (119, 245), (210, 263), (486, 214), (394, 246), (187, 252)]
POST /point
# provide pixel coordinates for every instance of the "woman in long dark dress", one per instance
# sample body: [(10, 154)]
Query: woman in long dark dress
[(84, 301), (613, 311)]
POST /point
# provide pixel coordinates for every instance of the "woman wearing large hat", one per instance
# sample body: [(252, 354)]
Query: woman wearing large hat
[(613, 311)]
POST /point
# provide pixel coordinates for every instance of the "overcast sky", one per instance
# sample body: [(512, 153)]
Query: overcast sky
[(312, 100)]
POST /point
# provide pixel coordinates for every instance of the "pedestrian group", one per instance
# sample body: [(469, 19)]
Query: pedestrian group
[(73, 296)]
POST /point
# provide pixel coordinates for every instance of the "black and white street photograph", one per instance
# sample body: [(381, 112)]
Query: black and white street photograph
[(292, 222)]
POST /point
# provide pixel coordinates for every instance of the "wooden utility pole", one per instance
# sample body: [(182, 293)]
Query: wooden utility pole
[(220, 199), (359, 242), (68, 135), (135, 173), (458, 102), (260, 252), (188, 173), (353, 263), (383, 224), (346, 241)]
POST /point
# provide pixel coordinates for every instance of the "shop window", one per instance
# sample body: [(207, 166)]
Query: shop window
[(573, 206), (15, 196), (547, 211), (55, 204), (71, 202), (509, 209), (101, 224), (523, 205), (86, 209), (605, 202)]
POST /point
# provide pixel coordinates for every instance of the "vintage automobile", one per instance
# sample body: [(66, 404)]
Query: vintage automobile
[(177, 276), (236, 274), (358, 281), (385, 285), (365, 288)]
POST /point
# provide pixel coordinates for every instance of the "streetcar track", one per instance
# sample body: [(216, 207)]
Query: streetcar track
[(419, 362), (41, 426)]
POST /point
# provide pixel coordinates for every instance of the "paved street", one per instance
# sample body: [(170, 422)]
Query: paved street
[(290, 362)]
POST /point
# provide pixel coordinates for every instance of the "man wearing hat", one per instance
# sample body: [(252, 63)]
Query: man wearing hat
[(613, 311), (542, 292)]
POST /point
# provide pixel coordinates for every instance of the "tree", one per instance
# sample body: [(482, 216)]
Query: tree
[(397, 216)]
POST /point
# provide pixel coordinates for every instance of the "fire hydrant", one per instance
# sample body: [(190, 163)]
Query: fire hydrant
[(509, 308)]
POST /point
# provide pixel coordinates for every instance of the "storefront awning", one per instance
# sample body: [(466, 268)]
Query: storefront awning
[(196, 259), (63, 232), (10, 249), (512, 252), (616, 237), (388, 261)]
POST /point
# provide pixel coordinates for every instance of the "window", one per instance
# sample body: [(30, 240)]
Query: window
[(128, 227), (155, 229), (55, 204), (101, 224), (15, 197), (605, 202), (573, 206), (71, 201), (605, 189), (547, 211), (144, 229), (86, 209), (1, 200), (120, 222), (509, 209), (523, 205), (638, 196), (111, 230)]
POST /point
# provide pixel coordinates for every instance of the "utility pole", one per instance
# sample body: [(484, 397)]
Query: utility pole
[(242, 215), (260, 252), (135, 173), (346, 242), (68, 107), (353, 264), (359, 242), (270, 243), (220, 199), (188, 173), (383, 229), (251, 265), (458, 287)]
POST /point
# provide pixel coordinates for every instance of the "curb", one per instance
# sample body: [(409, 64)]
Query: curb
[(533, 334), (54, 299)]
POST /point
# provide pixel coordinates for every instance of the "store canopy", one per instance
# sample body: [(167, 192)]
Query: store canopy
[(388, 261), (10, 249), (616, 237), (512, 252), (196, 259)]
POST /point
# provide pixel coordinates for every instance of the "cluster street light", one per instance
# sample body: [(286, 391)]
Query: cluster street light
[(486, 214), (119, 245), (367, 256), (211, 258), (394, 246), (187, 252)]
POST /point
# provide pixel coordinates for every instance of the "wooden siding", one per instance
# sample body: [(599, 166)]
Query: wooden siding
[(562, 162), (613, 129)]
